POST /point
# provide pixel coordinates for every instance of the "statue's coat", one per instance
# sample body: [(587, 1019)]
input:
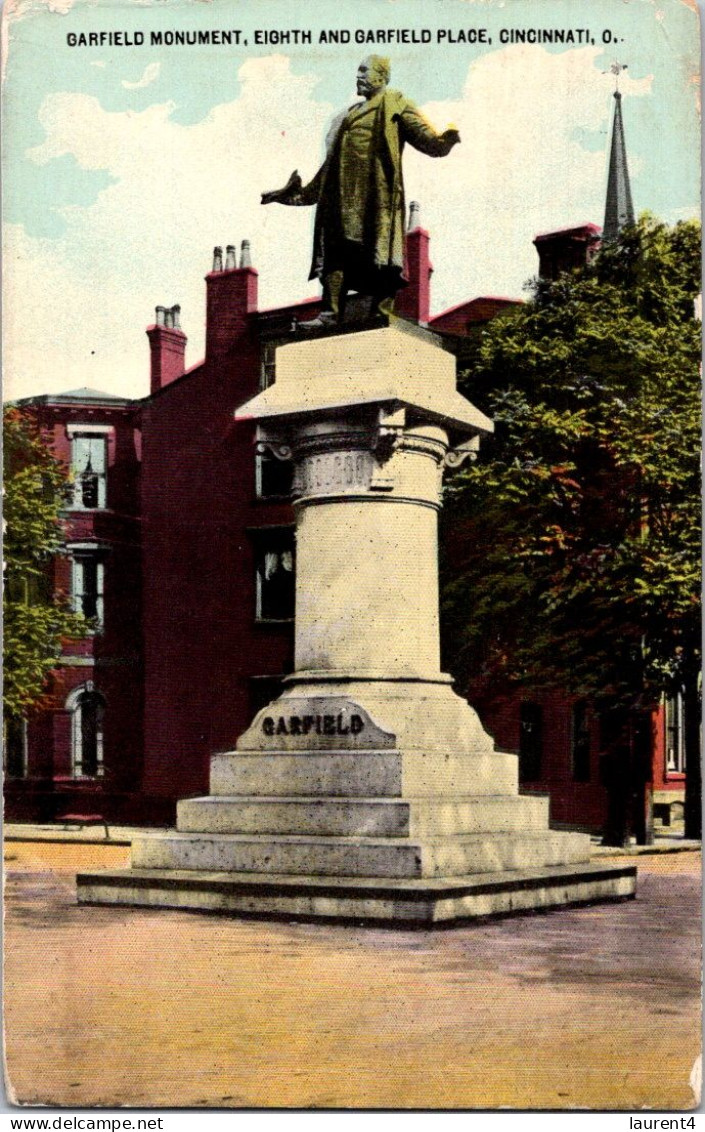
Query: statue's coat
[(397, 121)]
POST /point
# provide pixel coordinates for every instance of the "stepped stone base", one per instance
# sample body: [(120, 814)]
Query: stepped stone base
[(418, 902), (368, 790), (373, 817), (306, 855), (392, 807)]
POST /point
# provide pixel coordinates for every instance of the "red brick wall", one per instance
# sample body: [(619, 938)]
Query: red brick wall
[(200, 640), (572, 803)]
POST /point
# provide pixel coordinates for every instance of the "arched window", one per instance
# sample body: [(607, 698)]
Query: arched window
[(87, 709)]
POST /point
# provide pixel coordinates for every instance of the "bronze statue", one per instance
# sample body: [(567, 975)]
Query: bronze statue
[(358, 240)]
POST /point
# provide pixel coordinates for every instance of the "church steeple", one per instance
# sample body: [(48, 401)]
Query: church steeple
[(619, 210)]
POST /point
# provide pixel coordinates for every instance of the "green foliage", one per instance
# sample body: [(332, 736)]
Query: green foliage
[(574, 559), (35, 618)]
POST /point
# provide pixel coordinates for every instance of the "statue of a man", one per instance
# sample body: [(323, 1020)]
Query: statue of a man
[(359, 231)]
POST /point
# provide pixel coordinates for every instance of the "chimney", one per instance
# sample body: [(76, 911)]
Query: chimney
[(567, 249), (167, 344), (231, 297), (414, 300)]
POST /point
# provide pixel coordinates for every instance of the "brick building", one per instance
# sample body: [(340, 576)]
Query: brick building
[(91, 737), (180, 544)]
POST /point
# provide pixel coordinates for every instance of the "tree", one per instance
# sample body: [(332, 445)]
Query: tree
[(36, 619), (574, 559)]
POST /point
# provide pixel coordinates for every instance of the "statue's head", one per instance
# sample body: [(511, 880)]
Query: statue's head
[(373, 75)]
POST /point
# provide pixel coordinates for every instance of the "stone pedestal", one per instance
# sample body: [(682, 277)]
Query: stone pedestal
[(368, 789)]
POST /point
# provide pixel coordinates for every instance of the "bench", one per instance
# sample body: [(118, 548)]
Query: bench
[(83, 819)]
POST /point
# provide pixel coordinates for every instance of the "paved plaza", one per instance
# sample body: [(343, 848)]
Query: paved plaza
[(594, 1007)]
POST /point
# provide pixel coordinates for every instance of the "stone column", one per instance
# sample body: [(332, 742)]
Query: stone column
[(367, 554), (369, 443)]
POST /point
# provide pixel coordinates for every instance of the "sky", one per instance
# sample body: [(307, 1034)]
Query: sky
[(124, 165)]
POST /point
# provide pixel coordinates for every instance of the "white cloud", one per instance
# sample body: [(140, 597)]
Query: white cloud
[(20, 9), (148, 238), (179, 190), (151, 72), (60, 6), (519, 169)]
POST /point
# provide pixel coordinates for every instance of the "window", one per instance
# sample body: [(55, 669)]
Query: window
[(87, 582), (273, 476), (580, 742), (268, 370), (89, 469), (15, 754), (530, 741), (274, 555), (88, 708), (675, 734)]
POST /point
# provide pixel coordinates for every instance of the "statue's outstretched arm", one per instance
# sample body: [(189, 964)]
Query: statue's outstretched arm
[(422, 136), (294, 192)]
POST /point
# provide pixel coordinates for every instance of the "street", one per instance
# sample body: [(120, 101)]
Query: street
[(596, 1007)]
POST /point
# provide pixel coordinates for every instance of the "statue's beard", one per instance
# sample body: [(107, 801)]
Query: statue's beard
[(367, 88)]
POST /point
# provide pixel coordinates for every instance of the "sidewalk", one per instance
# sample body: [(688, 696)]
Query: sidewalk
[(666, 842), (663, 843), (57, 831)]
